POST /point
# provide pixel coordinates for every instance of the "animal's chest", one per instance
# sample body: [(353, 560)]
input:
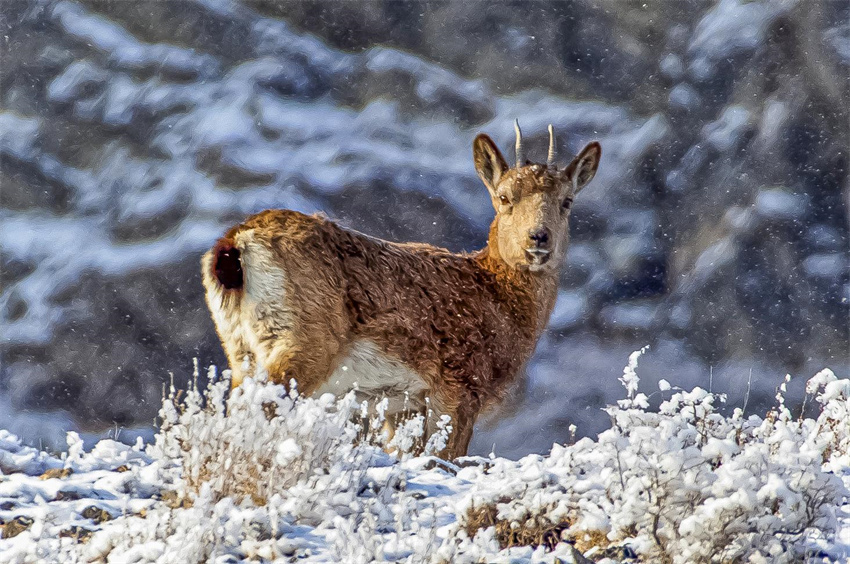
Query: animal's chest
[(376, 375)]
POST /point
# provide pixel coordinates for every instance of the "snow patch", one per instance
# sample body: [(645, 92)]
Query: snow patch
[(681, 484)]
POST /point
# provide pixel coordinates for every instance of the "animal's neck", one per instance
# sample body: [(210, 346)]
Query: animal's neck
[(532, 294)]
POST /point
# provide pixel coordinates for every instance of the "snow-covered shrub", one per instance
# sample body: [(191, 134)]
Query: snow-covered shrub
[(833, 423), (408, 430), (526, 529), (261, 474), (684, 484), (255, 441), (260, 439)]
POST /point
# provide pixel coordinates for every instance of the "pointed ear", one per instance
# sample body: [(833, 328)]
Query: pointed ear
[(583, 168), (489, 162)]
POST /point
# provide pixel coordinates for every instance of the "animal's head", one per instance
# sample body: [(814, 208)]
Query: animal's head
[(533, 200)]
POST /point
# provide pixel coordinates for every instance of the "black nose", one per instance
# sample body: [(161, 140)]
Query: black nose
[(540, 237)]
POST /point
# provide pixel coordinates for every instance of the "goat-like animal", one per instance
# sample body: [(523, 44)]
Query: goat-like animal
[(301, 297)]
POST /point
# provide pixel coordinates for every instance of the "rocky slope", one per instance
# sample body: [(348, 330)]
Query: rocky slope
[(132, 134)]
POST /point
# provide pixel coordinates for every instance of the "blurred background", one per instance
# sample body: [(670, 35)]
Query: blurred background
[(132, 134)]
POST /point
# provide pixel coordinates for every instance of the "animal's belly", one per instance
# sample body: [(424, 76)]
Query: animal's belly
[(377, 375)]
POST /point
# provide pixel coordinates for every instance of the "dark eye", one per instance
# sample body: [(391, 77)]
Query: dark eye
[(504, 200), (568, 203)]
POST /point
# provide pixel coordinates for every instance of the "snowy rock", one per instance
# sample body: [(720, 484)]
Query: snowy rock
[(826, 266), (147, 132), (570, 309), (780, 205), (725, 133)]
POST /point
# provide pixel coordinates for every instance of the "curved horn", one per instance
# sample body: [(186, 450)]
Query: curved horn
[(519, 158), (550, 160)]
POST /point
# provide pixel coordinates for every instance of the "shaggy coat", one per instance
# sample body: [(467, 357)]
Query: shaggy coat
[(333, 309)]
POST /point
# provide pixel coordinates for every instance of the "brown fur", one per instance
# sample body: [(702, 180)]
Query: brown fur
[(465, 324)]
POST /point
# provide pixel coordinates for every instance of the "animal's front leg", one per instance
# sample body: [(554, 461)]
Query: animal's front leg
[(462, 422), (458, 444), (394, 422)]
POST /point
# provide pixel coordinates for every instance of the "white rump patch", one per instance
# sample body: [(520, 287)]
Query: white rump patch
[(263, 273), (263, 309)]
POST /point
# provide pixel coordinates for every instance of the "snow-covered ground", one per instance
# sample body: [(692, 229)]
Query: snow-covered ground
[(259, 475)]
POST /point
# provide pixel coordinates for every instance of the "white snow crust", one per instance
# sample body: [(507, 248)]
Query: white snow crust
[(261, 474)]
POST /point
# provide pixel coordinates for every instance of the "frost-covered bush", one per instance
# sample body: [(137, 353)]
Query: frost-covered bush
[(684, 484), (833, 424), (261, 439), (262, 474), (255, 441)]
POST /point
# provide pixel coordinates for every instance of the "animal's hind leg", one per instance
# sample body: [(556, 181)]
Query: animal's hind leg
[(237, 356), (315, 328), (308, 359)]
